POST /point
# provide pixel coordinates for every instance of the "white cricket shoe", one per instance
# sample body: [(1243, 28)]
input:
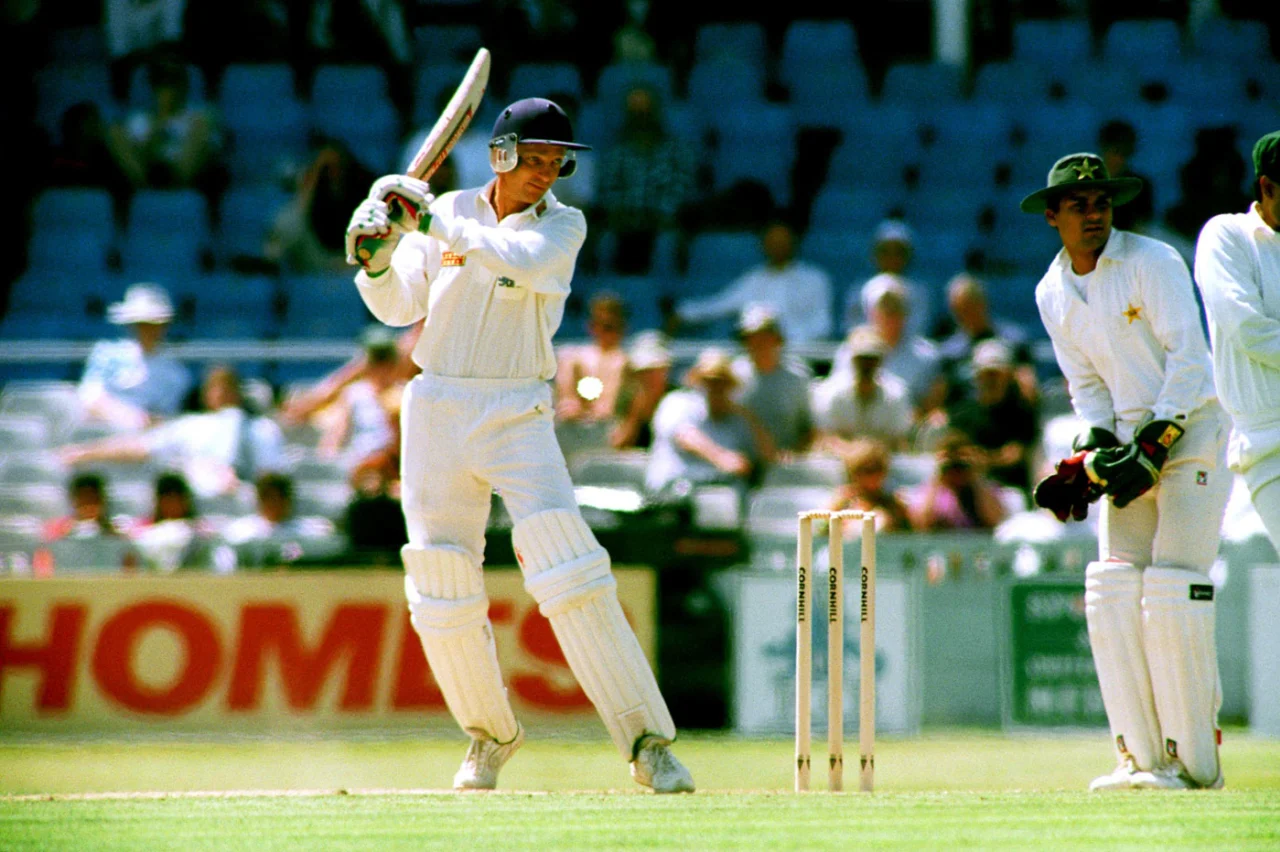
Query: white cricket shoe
[(479, 770), (656, 767), (1163, 778), (1119, 779)]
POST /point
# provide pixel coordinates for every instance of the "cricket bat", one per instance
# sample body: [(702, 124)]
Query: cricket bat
[(445, 133)]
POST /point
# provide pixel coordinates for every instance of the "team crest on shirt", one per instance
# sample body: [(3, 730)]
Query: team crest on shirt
[(504, 281), (1132, 313), (1202, 477), (451, 258)]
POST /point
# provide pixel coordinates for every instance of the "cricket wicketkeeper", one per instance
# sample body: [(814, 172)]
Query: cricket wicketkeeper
[(1121, 313), (489, 269)]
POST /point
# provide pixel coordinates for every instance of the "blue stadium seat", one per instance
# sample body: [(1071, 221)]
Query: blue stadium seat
[(824, 96), (845, 253), (246, 217), (945, 207), (544, 79), (939, 253), (966, 123), (1157, 41), (432, 86), (1052, 41), (856, 208), (809, 44), (1207, 86), (167, 233), (267, 124), (878, 143), (1122, 83), (1233, 41), (323, 305), (743, 41), (60, 86), (712, 84), (757, 143), (85, 256), (227, 295), (444, 44), (1016, 82), (373, 131), (617, 79), (1051, 132), (82, 211), (716, 258), (141, 97), (922, 84)]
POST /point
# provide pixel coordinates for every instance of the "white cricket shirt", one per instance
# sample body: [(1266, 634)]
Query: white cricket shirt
[(1127, 336), (493, 293), (1238, 272)]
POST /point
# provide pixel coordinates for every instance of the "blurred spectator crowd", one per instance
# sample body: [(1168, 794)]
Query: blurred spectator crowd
[(806, 278)]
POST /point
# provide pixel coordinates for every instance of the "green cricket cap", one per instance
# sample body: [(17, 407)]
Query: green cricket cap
[(1081, 171)]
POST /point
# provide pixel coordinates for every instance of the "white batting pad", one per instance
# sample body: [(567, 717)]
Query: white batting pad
[(450, 612), (1177, 614), (567, 572), (1113, 610)]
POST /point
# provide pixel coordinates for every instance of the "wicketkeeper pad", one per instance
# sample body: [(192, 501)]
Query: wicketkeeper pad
[(1113, 611), (450, 611), (1177, 614), (567, 572)]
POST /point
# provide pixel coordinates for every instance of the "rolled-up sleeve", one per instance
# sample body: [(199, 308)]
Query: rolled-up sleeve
[(399, 295), (1233, 294)]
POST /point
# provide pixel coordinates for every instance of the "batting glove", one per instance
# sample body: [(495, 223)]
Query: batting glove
[(1128, 472), (407, 200), (370, 237)]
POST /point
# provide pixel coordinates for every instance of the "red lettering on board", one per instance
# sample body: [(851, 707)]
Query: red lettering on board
[(113, 665), (354, 632), (55, 659), (414, 688)]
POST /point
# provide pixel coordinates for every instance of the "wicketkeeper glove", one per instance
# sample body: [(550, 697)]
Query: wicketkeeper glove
[(396, 205), (1128, 472), (1069, 490)]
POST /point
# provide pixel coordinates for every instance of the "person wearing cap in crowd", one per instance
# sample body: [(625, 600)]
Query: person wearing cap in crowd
[(1121, 312), (892, 247), (911, 358), (648, 370), (1237, 267), (798, 292), (489, 269), (219, 450), (994, 414), (862, 401), (132, 383), (971, 312), (590, 377), (702, 436), (774, 387)]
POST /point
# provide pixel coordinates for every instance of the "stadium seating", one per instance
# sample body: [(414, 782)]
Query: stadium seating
[(825, 96), (922, 84), (714, 83), (446, 44), (372, 131), (60, 86), (741, 41), (809, 45), (617, 79), (543, 79), (77, 211), (1139, 42), (1047, 42)]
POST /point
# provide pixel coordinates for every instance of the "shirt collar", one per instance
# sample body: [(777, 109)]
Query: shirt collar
[(1117, 249), (1256, 222), (533, 211)]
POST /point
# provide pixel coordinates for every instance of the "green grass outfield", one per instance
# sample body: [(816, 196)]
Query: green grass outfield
[(953, 790)]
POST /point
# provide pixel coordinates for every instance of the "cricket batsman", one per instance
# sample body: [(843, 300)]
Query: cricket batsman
[(1121, 313), (489, 270), (1238, 272)]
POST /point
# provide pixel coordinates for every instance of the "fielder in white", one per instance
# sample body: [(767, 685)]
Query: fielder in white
[(1121, 313), (489, 269), (1238, 271)]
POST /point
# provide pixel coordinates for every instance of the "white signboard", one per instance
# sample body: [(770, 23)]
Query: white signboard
[(764, 642)]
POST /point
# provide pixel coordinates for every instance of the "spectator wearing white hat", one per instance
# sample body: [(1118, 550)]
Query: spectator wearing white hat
[(892, 247), (703, 436), (132, 383), (774, 387), (861, 401), (908, 356)]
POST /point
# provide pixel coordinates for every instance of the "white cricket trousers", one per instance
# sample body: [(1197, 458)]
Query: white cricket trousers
[(1178, 523), (463, 438)]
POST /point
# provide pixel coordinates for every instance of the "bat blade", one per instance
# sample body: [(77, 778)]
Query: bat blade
[(453, 122)]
